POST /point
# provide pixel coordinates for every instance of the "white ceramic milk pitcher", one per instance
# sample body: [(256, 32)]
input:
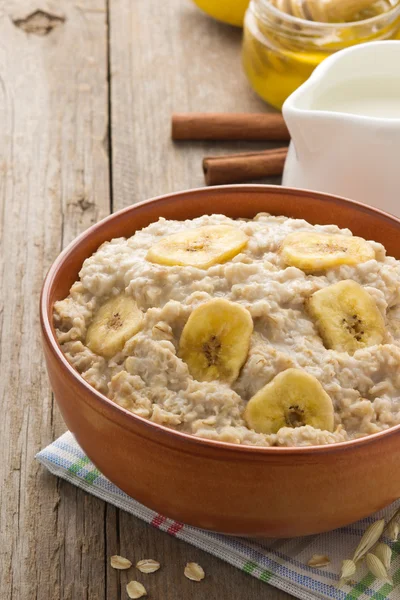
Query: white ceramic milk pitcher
[(344, 122)]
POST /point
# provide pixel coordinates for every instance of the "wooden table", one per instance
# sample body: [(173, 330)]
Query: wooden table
[(87, 90)]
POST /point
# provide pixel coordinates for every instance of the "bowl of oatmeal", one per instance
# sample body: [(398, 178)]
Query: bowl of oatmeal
[(230, 356)]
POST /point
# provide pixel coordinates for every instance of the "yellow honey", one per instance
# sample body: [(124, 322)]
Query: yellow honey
[(281, 51)]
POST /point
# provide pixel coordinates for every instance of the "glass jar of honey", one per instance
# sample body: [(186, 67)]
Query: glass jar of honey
[(280, 51)]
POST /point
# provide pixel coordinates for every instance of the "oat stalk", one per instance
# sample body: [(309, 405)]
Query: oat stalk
[(378, 564), (395, 517)]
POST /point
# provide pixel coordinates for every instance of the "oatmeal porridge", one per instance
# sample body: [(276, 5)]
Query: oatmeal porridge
[(268, 332)]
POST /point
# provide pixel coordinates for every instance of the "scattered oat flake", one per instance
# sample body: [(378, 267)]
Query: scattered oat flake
[(319, 560), (148, 565), (135, 590), (194, 571), (119, 562)]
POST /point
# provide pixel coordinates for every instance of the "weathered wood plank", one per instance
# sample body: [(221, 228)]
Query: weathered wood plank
[(166, 57), (54, 183)]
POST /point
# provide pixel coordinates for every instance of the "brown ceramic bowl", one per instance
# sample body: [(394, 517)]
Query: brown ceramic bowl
[(241, 490)]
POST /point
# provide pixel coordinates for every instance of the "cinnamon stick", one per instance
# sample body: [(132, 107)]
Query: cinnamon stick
[(229, 126), (236, 168)]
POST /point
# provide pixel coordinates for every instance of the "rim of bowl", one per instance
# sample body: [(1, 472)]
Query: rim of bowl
[(166, 432)]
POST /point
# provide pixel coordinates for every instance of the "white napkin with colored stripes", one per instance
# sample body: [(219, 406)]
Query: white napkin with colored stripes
[(281, 563)]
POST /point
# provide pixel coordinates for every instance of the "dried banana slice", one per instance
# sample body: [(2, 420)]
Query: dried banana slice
[(113, 324), (201, 247), (311, 251), (215, 340), (292, 399), (346, 316)]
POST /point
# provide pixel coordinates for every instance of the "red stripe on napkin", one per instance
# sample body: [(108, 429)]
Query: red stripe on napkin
[(158, 521), (174, 528)]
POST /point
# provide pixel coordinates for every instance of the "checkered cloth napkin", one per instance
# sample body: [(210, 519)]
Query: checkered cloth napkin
[(281, 563)]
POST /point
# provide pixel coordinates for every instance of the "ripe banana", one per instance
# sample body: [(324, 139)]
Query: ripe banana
[(311, 251), (292, 399), (215, 340), (114, 323), (201, 247), (346, 316)]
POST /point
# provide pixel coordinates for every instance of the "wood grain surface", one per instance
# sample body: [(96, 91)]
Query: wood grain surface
[(86, 93)]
